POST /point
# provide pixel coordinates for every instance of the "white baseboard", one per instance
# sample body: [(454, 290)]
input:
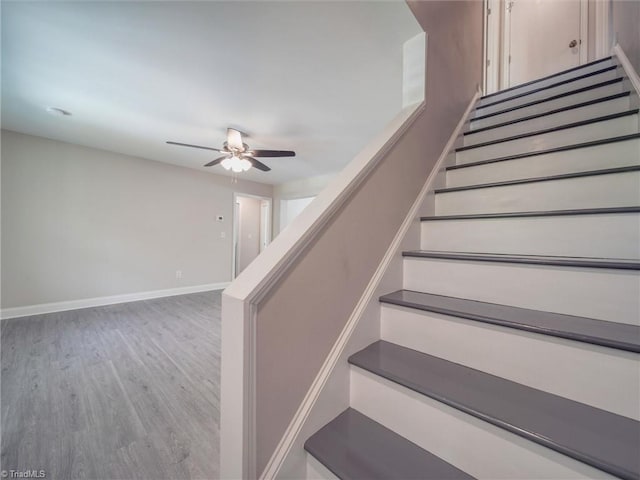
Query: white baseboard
[(41, 308), (628, 68)]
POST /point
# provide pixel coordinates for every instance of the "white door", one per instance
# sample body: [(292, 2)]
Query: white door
[(543, 37)]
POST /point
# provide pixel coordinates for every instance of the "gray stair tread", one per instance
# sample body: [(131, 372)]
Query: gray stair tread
[(575, 146), (550, 86), (540, 213), (515, 87), (549, 113), (581, 123), (547, 178), (353, 446), (580, 262), (548, 99), (601, 439), (599, 332)]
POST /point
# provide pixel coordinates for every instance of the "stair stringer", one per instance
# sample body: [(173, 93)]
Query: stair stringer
[(363, 326), (631, 77)]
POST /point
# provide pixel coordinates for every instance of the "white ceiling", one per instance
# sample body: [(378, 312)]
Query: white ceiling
[(320, 78)]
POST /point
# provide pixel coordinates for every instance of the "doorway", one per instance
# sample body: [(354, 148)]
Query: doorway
[(251, 229), (290, 208), (530, 39)]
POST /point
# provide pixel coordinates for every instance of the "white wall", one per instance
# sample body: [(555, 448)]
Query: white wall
[(302, 188), (291, 208), (80, 223), (626, 30)]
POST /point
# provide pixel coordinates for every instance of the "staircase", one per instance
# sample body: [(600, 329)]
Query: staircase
[(512, 349)]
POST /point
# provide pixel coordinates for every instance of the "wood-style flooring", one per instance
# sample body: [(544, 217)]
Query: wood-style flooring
[(127, 391)]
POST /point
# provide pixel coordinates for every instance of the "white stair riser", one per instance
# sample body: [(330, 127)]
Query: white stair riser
[(539, 361), (612, 190), (548, 106), (474, 446), (548, 121), (546, 82), (591, 132), (549, 92), (586, 292), (609, 235), (619, 154), (317, 471)]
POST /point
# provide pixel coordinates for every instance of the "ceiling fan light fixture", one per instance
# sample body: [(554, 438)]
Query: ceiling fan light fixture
[(236, 164), (245, 164), (226, 163)]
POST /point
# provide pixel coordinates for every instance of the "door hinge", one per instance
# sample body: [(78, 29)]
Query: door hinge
[(509, 6), (509, 58), (488, 62), (488, 11)]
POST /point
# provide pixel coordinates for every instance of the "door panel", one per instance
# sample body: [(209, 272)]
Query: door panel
[(540, 33)]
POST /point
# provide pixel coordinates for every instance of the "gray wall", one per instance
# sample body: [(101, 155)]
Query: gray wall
[(248, 231), (302, 316), (80, 223), (626, 28)]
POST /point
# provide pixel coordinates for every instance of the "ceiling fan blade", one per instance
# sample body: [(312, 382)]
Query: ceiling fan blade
[(234, 139), (257, 164), (195, 146), (216, 161), (272, 153)]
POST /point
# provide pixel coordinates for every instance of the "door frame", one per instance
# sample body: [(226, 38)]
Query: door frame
[(496, 44), (603, 28), (236, 226)]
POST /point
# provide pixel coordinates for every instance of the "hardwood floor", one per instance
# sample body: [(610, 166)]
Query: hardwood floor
[(128, 391)]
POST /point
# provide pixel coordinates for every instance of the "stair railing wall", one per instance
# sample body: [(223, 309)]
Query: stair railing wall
[(632, 79), (282, 316)]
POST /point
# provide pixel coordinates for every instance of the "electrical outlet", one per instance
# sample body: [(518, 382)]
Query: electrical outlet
[(178, 274)]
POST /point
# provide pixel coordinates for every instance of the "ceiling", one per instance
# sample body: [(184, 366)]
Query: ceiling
[(320, 78)]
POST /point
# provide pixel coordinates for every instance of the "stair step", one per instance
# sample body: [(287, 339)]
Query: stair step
[(614, 187), (566, 74), (581, 123), (604, 440), (607, 126), (522, 345), (602, 75), (579, 262), (612, 233), (591, 92), (353, 446), (604, 289), (548, 178), (547, 213), (609, 105), (607, 153), (598, 332), (565, 108)]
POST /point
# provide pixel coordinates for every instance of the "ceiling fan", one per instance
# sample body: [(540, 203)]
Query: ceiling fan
[(237, 156)]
